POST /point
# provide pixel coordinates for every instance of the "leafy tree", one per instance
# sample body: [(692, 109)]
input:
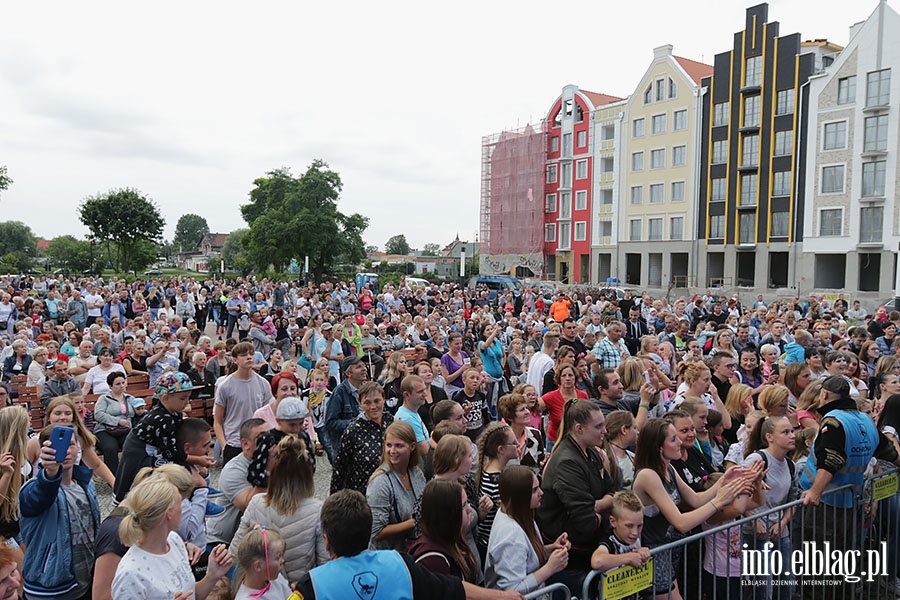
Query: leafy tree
[(397, 245), (431, 250), (68, 252), (233, 252), (122, 219), (189, 231), (5, 181), (9, 263), (370, 248), (294, 217), (16, 238)]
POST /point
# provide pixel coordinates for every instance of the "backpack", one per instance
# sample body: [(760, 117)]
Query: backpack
[(765, 460)]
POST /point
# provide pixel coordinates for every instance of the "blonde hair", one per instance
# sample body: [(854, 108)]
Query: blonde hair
[(734, 400), (14, 421), (771, 397), (291, 478), (148, 502), (254, 547), (175, 474)]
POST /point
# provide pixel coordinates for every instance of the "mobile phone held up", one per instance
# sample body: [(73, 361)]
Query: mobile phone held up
[(60, 439), (647, 376)]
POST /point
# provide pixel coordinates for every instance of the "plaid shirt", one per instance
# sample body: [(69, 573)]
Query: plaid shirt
[(610, 355)]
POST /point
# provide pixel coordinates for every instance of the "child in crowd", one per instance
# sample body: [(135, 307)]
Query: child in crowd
[(316, 398), (623, 547), (291, 417), (140, 409), (261, 557), (194, 438), (153, 441)]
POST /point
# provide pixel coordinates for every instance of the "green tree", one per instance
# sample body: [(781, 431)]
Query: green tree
[(397, 245), (5, 181), (68, 252), (9, 263), (370, 248), (16, 238), (233, 252), (294, 217), (431, 250), (189, 231), (122, 219)]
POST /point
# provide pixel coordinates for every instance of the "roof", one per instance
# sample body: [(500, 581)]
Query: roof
[(822, 43), (695, 70), (216, 240), (600, 99), (42, 245)]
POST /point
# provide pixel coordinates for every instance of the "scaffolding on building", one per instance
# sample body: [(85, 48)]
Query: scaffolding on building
[(512, 201)]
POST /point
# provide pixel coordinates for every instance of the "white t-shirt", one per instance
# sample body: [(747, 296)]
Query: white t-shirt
[(278, 590), (94, 299), (96, 377), (144, 576)]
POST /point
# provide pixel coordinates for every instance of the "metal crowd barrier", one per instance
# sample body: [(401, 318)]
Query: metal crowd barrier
[(851, 552), (550, 592)]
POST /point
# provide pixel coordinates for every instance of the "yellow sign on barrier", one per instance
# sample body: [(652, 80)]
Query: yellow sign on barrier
[(885, 487), (627, 581)]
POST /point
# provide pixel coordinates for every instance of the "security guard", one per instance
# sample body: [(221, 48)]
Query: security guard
[(355, 572), (846, 442)]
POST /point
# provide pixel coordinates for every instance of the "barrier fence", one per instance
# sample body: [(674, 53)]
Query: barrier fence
[(824, 552)]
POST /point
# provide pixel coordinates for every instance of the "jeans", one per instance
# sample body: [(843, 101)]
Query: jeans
[(215, 315), (325, 440), (784, 587), (232, 322)]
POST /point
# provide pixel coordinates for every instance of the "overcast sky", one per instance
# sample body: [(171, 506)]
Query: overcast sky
[(190, 101)]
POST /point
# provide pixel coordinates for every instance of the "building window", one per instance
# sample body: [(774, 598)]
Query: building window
[(747, 228), (637, 128), (717, 226), (658, 124), (658, 159), (580, 231), (878, 88), (566, 175), (751, 111), (830, 221), (871, 224), (581, 169), (654, 229), (554, 143), (677, 191), (833, 179), (783, 142), (607, 132), (567, 144), (637, 194), (673, 88), (565, 236), (637, 161), (605, 229), (753, 71), (784, 102), (648, 94), (582, 139), (565, 205), (606, 197), (718, 190), (720, 152), (750, 151), (679, 156), (550, 232), (749, 183), (634, 230), (551, 173), (873, 178), (657, 193), (847, 90), (581, 200), (780, 223), (781, 183), (660, 90), (607, 164), (680, 120), (550, 203), (835, 135), (676, 228), (876, 133), (721, 112)]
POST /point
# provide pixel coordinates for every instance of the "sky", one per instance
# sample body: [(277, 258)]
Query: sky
[(189, 102)]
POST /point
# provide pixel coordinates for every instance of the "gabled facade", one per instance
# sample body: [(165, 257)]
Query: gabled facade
[(608, 126), (852, 214), (753, 163), (569, 184), (659, 146)]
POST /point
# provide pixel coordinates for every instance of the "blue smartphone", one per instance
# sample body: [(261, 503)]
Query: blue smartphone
[(60, 440)]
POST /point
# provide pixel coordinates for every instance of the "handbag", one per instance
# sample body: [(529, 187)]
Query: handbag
[(305, 361), (117, 431)]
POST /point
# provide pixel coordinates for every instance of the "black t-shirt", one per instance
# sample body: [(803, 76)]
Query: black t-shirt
[(425, 584), (695, 470), (723, 387), (108, 541)]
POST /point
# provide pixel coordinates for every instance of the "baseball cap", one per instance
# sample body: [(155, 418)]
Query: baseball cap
[(349, 362), (173, 382), (326, 326), (291, 408), (138, 402), (836, 384)]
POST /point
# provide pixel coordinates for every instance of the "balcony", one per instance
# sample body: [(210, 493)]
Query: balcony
[(606, 177), (607, 209), (607, 145)]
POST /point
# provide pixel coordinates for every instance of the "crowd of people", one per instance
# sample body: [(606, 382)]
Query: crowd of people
[(481, 444)]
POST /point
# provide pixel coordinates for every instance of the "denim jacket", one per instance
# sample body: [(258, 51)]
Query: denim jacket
[(47, 568)]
